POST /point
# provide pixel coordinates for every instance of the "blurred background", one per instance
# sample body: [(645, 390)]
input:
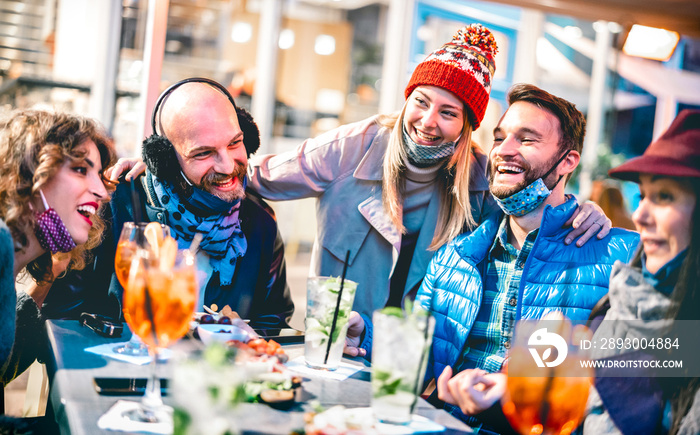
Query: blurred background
[(305, 66)]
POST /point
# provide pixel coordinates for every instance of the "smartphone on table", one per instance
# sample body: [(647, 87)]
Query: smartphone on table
[(126, 386)]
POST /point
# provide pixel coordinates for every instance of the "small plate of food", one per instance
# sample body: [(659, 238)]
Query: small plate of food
[(221, 332)]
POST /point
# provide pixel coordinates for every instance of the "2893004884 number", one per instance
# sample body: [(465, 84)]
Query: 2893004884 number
[(658, 343)]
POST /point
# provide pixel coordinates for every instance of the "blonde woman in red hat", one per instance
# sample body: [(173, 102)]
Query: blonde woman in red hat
[(393, 188), (659, 290)]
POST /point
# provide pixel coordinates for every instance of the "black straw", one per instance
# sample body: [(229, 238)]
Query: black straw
[(337, 306), (424, 351), (135, 204)]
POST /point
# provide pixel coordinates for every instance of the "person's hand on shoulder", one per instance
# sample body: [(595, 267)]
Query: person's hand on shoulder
[(473, 390), (356, 326), (587, 221)]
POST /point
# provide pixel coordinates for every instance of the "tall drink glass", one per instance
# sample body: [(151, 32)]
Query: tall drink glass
[(132, 237), (549, 398), (161, 296), (400, 346), (321, 301)]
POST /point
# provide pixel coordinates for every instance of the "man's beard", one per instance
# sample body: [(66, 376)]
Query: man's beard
[(531, 175), (209, 181)]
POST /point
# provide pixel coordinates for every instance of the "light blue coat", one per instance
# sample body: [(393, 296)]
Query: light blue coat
[(343, 170)]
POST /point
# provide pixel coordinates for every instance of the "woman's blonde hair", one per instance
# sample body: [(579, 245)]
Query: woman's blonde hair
[(34, 146), (455, 213)]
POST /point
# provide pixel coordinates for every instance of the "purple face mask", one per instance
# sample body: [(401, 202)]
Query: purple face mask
[(51, 232)]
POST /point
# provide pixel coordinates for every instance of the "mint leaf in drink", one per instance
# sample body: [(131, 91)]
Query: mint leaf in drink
[(384, 383)]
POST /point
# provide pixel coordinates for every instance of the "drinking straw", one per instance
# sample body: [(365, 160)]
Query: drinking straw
[(136, 206), (337, 306), (423, 352)]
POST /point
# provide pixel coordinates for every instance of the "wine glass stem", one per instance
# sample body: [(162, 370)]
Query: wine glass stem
[(152, 399)]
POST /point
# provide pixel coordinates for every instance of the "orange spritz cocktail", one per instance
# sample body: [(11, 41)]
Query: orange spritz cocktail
[(546, 400), (159, 302), (161, 295), (546, 405)]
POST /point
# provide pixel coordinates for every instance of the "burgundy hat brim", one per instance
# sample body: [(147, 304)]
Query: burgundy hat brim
[(655, 165)]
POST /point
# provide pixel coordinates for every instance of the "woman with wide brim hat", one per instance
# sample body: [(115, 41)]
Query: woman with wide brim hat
[(659, 289)]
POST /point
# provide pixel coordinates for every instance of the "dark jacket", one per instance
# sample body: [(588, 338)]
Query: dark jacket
[(258, 292), (30, 340), (7, 292), (22, 338)]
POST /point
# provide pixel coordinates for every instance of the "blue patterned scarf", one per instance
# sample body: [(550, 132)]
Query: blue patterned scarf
[(223, 240)]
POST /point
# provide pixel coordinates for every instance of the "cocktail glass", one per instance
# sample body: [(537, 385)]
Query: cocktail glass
[(160, 297), (132, 237), (400, 346), (549, 398), (321, 302)]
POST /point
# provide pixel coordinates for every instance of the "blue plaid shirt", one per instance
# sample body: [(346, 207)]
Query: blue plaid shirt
[(492, 332)]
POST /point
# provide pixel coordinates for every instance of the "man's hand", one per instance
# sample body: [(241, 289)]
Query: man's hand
[(134, 165), (356, 327), (588, 219), (473, 390)]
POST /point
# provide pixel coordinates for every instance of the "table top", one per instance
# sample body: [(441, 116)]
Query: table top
[(77, 406)]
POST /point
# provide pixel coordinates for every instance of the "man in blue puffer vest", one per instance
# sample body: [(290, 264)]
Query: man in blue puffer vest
[(516, 266)]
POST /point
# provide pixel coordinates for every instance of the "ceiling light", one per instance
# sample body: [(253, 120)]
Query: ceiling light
[(241, 32), (325, 45), (650, 42), (286, 39)]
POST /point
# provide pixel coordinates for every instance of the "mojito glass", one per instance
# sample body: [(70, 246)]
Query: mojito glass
[(321, 300), (400, 347)]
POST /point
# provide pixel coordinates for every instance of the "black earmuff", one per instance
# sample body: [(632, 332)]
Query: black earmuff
[(159, 154)]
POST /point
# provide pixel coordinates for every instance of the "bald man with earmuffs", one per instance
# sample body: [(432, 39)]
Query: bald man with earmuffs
[(195, 182)]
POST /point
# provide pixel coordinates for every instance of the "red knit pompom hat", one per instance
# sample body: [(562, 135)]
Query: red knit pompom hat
[(463, 66)]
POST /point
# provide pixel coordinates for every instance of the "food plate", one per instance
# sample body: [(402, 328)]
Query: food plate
[(269, 379), (221, 333)]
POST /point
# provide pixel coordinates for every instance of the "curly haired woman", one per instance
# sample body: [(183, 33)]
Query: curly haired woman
[(51, 187)]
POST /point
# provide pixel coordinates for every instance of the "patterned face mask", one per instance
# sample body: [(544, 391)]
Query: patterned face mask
[(526, 200), (530, 197), (51, 232), (424, 155)]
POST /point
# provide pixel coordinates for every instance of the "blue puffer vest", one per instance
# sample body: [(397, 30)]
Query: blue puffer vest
[(556, 277)]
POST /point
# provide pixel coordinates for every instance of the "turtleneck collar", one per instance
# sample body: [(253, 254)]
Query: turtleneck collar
[(422, 175), (664, 280)]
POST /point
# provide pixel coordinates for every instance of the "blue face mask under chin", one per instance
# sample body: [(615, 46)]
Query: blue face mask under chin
[(530, 197)]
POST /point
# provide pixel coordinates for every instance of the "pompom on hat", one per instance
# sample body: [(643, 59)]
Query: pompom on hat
[(463, 66), (676, 153)]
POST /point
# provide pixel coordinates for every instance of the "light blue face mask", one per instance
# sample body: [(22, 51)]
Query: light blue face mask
[(530, 197), (425, 155)]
